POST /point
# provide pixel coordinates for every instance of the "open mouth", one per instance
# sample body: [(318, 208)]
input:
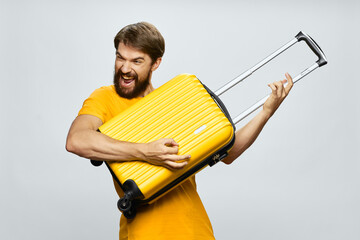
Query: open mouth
[(127, 82)]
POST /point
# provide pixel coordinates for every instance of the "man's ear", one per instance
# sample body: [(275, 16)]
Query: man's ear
[(156, 64)]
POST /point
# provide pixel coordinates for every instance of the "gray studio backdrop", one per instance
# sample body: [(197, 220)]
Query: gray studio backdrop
[(300, 180)]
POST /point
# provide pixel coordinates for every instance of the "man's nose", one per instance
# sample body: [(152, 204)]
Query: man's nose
[(126, 68)]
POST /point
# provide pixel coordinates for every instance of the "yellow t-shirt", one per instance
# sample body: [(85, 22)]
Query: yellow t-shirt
[(179, 214)]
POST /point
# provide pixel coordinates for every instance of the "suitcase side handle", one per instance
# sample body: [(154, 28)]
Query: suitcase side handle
[(313, 46), (96, 163)]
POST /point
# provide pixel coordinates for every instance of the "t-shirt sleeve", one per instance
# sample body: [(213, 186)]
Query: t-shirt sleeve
[(96, 104)]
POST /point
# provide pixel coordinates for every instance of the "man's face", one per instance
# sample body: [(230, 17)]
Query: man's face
[(133, 70)]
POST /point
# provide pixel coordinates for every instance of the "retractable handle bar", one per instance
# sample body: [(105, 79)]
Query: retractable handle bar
[(301, 36)]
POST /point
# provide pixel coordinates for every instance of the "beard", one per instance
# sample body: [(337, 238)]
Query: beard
[(139, 88)]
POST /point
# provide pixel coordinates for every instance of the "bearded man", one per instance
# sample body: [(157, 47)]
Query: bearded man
[(180, 213)]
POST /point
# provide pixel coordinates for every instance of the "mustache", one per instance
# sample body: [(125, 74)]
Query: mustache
[(129, 74)]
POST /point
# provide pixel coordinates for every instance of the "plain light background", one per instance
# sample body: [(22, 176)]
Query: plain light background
[(300, 179)]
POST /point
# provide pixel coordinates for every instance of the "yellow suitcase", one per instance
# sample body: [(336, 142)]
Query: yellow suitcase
[(187, 111), (181, 109)]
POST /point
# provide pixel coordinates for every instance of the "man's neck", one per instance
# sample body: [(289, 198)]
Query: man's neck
[(148, 90)]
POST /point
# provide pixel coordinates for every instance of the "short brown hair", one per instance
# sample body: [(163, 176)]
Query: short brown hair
[(144, 37)]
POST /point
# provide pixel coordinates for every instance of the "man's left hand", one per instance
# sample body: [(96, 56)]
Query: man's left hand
[(279, 93)]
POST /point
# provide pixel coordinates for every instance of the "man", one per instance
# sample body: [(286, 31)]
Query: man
[(179, 214)]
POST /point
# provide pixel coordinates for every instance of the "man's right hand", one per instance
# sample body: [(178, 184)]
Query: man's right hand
[(163, 152), (85, 141)]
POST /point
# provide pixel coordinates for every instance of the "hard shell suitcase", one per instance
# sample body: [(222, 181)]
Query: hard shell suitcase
[(187, 111)]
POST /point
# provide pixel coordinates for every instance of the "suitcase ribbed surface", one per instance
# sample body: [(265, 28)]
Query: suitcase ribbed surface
[(175, 110)]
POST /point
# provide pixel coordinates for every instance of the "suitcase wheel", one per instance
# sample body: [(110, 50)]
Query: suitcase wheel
[(130, 214), (126, 207)]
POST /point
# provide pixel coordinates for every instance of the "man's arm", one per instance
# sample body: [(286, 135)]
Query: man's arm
[(84, 140), (246, 136)]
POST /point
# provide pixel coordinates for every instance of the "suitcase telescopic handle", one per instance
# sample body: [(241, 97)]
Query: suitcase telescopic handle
[(313, 46), (301, 36)]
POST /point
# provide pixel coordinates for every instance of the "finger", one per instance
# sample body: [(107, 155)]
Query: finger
[(170, 142), (171, 150), (279, 88), (174, 158), (283, 92), (175, 165), (273, 88), (290, 83)]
